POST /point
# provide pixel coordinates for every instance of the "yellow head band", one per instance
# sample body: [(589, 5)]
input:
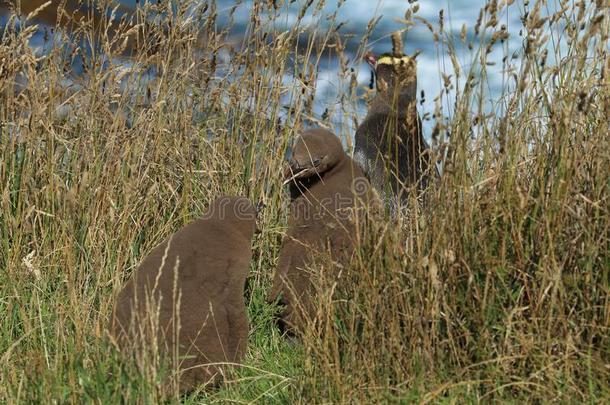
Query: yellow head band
[(392, 60)]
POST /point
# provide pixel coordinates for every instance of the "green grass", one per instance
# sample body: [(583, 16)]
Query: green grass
[(497, 291)]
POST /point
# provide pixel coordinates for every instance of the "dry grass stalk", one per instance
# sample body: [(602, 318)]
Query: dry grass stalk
[(497, 289)]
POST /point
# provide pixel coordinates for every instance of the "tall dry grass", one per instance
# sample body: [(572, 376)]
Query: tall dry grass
[(498, 288)]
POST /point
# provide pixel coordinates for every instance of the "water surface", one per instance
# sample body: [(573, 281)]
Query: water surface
[(356, 14)]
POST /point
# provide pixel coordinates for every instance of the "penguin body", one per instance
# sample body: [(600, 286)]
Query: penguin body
[(187, 295), (389, 144), (326, 187)]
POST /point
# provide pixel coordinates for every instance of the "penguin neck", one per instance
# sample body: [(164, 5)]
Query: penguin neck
[(387, 103), (242, 229), (338, 167), (246, 230)]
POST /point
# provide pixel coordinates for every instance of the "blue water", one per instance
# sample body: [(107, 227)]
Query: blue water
[(356, 14)]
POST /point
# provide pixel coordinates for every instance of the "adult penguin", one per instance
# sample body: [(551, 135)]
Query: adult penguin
[(327, 190), (389, 144), (187, 296)]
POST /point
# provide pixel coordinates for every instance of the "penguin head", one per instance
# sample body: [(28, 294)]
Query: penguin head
[(315, 152), (394, 73), (235, 212)]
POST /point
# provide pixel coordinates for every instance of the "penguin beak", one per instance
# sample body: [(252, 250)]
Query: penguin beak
[(295, 170), (292, 169), (371, 59)]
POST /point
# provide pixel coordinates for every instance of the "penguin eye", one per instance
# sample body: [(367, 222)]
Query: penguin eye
[(316, 162)]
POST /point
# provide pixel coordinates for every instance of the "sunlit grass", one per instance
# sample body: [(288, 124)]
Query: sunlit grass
[(499, 288)]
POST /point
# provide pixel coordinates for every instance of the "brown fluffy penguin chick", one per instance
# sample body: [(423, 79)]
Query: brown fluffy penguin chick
[(191, 288), (326, 185), (389, 144)]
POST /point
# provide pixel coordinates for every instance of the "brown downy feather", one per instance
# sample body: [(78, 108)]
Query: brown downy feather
[(326, 187), (197, 279)]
